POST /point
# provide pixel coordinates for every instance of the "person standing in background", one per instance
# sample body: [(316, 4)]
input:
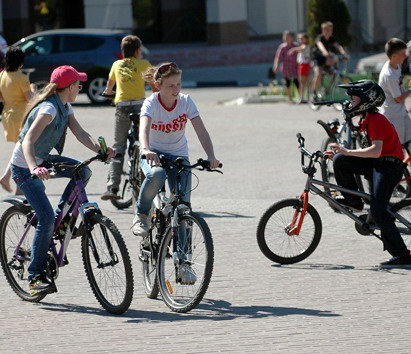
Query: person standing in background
[(129, 96), (391, 81), (288, 63), (15, 92), (304, 63)]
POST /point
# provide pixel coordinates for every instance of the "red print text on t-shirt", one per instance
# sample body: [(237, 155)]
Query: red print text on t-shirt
[(177, 124)]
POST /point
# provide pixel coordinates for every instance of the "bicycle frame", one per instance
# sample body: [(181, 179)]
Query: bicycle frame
[(78, 204), (311, 185)]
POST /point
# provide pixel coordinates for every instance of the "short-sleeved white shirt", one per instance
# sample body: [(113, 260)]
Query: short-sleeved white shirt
[(17, 158), (391, 81), (167, 130)]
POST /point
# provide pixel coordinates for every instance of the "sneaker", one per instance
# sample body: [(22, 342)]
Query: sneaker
[(186, 274), (356, 206), (39, 284), (109, 194), (140, 227), (397, 262)]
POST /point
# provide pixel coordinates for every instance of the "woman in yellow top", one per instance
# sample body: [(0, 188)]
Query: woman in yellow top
[(15, 92)]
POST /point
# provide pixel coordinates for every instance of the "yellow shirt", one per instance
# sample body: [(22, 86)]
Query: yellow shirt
[(129, 83), (13, 85)]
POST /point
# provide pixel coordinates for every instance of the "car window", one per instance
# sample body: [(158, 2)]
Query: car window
[(79, 43), (42, 45)]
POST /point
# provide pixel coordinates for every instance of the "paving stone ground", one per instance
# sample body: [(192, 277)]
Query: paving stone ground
[(334, 301)]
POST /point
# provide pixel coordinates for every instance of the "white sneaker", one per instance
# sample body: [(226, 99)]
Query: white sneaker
[(140, 227), (186, 274)]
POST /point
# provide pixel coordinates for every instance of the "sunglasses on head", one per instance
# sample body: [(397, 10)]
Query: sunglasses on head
[(166, 67)]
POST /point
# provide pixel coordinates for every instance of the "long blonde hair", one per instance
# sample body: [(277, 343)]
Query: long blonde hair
[(152, 74), (39, 97)]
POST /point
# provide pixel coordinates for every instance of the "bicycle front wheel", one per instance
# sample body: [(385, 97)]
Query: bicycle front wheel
[(126, 190), (137, 175), (274, 236), (338, 93), (185, 265), (107, 264), (12, 226)]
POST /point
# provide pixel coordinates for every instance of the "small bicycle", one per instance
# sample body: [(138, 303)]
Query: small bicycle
[(177, 238), (328, 89), (290, 230), (105, 256)]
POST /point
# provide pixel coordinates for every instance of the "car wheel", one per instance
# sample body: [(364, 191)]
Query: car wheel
[(95, 88)]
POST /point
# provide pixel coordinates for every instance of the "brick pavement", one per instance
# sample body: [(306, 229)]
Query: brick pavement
[(334, 301)]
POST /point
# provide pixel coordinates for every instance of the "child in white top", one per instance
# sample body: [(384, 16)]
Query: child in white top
[(304, 63)]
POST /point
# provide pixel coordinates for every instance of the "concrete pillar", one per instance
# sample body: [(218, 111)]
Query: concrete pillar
[(227, 22), (108, 14)]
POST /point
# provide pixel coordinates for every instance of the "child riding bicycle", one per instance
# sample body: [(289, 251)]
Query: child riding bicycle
[(163, 119), (380, 160), (44, 128)]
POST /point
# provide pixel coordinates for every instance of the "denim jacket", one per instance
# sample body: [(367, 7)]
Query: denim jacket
[(54, 135)]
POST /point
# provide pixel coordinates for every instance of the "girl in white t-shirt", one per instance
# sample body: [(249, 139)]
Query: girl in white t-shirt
[(163, 119)]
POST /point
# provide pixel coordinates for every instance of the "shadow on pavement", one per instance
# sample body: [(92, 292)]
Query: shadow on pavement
[(214, 310), (223, 214)]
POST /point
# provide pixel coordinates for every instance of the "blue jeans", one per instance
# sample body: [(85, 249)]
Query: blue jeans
[(155, 178), (384, 176), (34, 191)]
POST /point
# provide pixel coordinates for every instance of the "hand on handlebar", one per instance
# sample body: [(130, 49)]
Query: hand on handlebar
[(151, 157), (111, 153), (41, 173), (335, 149), (214, 163)]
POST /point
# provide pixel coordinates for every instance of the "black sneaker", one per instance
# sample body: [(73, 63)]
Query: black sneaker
[(109, 194), (359, 206), (397, 262), (41, 285)]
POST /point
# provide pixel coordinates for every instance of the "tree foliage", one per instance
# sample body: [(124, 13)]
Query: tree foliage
[(335, 11)]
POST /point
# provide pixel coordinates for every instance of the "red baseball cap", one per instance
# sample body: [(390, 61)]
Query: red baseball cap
[(65, 75)]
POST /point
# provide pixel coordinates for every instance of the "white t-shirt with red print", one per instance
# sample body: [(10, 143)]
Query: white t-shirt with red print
[(167, 130)]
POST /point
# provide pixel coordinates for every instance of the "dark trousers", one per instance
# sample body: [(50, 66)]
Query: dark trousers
[(383, 176)]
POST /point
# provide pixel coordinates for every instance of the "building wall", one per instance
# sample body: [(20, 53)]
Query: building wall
[(108, 14)]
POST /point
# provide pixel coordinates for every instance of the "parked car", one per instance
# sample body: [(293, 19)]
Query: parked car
[(92, 51), (374, 63)]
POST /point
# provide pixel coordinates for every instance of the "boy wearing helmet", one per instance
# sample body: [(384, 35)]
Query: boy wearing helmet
[(379, 159)]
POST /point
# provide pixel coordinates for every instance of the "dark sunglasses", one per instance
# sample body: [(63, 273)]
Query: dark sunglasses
[(166, 67)]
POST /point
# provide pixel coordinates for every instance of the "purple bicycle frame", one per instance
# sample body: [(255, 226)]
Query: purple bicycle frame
[(78, 196)]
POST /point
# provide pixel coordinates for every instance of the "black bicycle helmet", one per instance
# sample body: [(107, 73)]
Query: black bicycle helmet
[(370, 93)]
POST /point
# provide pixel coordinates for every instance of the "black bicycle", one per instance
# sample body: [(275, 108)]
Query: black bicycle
[(179, 241), (290, 230), (131, 176)]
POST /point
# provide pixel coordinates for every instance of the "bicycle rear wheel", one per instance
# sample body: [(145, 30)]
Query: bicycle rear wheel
[(12, 225), (403, 189), (107, 264), (274, 236), (403, 208), (194, 248)]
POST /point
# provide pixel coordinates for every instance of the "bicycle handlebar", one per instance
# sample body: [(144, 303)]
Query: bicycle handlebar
[(58, 166), (166, 162), (304, 152)]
